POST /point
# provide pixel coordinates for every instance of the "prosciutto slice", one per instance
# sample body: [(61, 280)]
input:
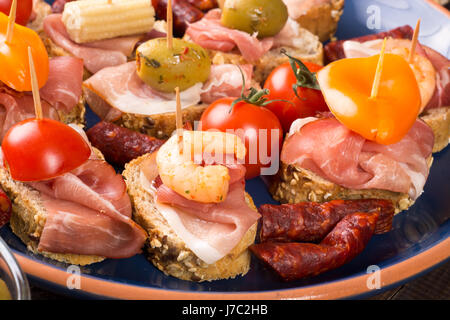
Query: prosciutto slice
[(122, 88), (211, 34), (63, 87), (225, 81), (15, 107), (116, 90), (330, 150), (210, 230), (96, 55), (89, 212), (441, 96)]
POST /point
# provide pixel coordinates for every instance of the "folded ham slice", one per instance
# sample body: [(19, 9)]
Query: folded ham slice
[(211, 34), (63, 87), (330, 150), (122, 89), (89, 212), (15, 107), (210, 230), (96, 55), (225, 81), (116, 90)]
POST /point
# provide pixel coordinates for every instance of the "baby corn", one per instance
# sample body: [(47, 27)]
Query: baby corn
[(91, 20)]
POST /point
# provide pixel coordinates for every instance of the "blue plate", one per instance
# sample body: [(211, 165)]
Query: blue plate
[(419, 239)]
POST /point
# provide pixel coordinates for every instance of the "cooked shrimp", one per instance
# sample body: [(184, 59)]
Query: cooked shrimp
[(422, 67), (193, 181)]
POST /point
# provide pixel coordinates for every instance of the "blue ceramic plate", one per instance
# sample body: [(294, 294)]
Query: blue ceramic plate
[(419, 239)]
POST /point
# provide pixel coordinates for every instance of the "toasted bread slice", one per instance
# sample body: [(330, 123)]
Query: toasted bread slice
[(162, 125), (167, 251), (439, 121), (29, 216), (322, 17), (293, 184)]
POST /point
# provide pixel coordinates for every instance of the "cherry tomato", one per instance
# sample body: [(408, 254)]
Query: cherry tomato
[(247, 120), (15, 68), (24, 9), (280, 83), (43, 149)]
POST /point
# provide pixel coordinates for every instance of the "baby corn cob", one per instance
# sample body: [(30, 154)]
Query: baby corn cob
[(91, 20)]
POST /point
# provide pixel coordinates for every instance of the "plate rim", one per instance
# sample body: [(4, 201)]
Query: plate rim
[(346, 288)]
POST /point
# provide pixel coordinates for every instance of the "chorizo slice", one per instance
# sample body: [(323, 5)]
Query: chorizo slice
[(183, 13), (312, 221), (121, 145), (204, 5), (293, 261)]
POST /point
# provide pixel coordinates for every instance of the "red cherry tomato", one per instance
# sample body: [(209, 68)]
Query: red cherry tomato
[(247, 120), (24, 8), (43, 149), (280, 83)]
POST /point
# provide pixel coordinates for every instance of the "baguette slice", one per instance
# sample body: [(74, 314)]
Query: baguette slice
[(294, 184), (29, 216), (167, 251), (322, 18), (439, 121)]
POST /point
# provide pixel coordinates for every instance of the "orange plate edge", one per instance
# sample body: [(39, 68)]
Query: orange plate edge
[(333, 290)]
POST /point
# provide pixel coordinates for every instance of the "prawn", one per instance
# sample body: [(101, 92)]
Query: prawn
[(180, 172)]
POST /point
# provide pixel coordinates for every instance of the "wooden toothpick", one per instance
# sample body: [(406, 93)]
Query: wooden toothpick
[(169, 25), (11, 21), (376, 80), (34, 87), (179, 116), (412, 50)]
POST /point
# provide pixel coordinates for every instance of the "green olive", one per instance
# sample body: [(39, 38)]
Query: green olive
[(165, 69), (266, 17)]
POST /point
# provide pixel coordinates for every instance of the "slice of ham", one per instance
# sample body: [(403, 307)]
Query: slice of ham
[(121, 88), (335, 50), (15, 107), (116, 90), (89, 212), (211, 231), (225, 80), (335, 153), (441, 96), (63, 87), (96, 55), (211, 34)]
